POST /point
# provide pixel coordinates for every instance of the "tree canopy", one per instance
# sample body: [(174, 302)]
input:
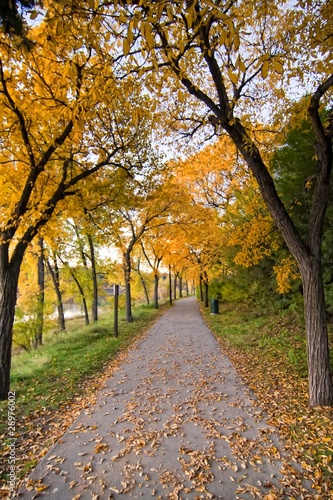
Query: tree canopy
[(98, 80)]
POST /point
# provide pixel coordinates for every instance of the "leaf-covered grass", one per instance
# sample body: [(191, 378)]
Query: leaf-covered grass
[(269, 352), (54, 382)]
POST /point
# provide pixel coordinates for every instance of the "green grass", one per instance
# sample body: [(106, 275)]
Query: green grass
[(281, 333), (59, 378), (55, 373)]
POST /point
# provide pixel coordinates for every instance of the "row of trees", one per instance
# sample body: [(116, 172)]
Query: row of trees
[(83, 260), (94, 81), (154, 233)]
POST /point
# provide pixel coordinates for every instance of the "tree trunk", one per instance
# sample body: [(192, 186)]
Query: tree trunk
[(143, 282), (83, 298), (206, 293), (175, 287), (85, 310), (307, 254), (180, 287), (308, 257), (187, 288), (81, 244), (9, 276), (319, 368), (200, 288), (54, 273), (145, 289), (170, 286), (94, 279), (127, 267), (156, 280), (41, 295)]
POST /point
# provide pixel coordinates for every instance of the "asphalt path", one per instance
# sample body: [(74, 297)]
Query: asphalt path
[(173, 422)]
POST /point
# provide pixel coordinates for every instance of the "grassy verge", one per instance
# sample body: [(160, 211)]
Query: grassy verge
[(53, 383), (269, 353)]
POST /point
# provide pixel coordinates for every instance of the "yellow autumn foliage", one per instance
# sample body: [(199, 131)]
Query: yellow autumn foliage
[(285, 272)]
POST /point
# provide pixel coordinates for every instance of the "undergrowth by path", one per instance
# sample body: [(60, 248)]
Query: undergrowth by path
[(269, 353), (55, 382)]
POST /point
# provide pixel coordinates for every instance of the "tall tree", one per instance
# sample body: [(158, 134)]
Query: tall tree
[(127, 204), (154, 247), (77, 250), (130, 227), (49, 99), (229, 57)]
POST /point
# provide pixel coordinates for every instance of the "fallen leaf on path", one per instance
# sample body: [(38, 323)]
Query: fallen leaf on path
[(101, 447), (41, 487)]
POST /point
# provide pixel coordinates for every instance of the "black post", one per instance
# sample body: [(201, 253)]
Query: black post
[(170, 286), (116, 294)]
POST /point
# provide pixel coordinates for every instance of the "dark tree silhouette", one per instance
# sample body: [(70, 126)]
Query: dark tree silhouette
[(11, 14)]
